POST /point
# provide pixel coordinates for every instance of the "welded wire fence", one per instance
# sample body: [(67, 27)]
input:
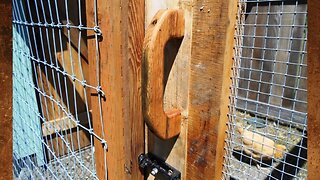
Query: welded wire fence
[(53, 134), (267, 128)]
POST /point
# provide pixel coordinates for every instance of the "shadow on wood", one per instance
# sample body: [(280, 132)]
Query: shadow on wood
[(166, 28), (162, 148)]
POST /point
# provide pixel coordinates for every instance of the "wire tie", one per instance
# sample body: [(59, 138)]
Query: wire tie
[(97, 30)]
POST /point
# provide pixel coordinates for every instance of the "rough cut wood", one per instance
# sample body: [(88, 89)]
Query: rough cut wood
[(173, 151), (64, 56), (211, 60), (165, 26), (59, 146), (122, 26), (267, 76), (313, 89), (61, 124), (6, 90), (70, 94)]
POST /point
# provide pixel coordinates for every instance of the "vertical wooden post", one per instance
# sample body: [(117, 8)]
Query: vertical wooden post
[(313, 89), (122, 26), (6, 90), (211, 61)]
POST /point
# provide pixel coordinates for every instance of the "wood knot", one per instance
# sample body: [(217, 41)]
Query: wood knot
[(154, 22)]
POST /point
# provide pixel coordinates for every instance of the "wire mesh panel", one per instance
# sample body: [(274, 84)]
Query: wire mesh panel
[(267, 129), (53, 134)]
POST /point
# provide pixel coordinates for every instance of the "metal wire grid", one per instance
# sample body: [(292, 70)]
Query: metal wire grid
[(273, 35), (52, 138)]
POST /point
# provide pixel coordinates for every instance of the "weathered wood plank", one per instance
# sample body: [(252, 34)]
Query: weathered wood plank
[(211, 60), (59, 146), (64, 123), (61, 49), (313, 89), (173, 151), (6, 90), (64, 55), (262, 71), (122, 26), (167, 25)]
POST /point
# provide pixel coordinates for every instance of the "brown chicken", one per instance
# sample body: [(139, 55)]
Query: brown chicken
[(258, 146)]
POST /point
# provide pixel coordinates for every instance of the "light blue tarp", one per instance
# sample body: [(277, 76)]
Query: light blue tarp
[(26, 123)]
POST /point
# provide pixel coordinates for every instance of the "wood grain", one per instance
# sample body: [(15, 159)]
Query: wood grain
[(68, 56), (173, 151), (211, 60), (122, 26), (61, 124), (313, 89), (59, 146), (166, 25), (256, 83), (64, 55), (6, 170)]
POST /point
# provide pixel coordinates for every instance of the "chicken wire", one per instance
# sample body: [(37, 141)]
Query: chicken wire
[(53, 134), (267, 127)]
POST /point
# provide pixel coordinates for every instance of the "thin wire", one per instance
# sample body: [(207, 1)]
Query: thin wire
[(285, 124), (43, 94)]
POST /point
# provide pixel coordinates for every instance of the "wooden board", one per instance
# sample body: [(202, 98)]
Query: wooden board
[(166, 27), (53, 46), (122, 26), (62, 124), (262, 73), (313, 89), (6, 171), (173, 151), (65, 55), (80, 139), (211, 60), (272, 112)]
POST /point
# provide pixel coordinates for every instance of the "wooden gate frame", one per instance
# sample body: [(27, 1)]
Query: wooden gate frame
[(209, 90), (122, 26), (6, 169), (213, 31), (313, 89)]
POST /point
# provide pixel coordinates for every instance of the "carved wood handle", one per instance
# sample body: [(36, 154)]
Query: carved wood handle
[(165, 26)]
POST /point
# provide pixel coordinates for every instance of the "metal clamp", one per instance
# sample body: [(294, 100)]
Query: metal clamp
[(158, 167)]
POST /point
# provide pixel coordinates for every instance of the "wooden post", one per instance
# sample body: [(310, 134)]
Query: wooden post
[(122, 26), (6, 90), (211, 60), (313, 89)]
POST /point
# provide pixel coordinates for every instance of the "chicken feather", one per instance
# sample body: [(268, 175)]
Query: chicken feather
[(258, 146)]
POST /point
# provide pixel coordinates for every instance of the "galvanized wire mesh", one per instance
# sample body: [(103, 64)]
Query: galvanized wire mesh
[(53, 134), (267, 128)]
